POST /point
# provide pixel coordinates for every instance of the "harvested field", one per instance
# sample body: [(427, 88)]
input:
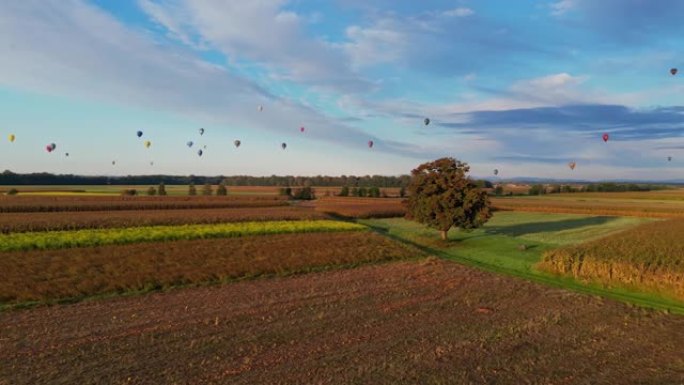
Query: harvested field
[(353, 207), (119, 236), (592, 206), (56, 221), (398, 323), (649, 257), (77, 273), (14, 204)]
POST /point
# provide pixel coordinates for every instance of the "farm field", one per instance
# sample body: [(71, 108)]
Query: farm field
[(284, 294), (352, 207), (44, 221), (15, 204), (119, 236), (649, 256), (420, 322), (72, 274), (632, 204), (497, 247)]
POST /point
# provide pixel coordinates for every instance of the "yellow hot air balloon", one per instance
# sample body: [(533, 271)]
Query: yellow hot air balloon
[(11, 138), (148, 144)]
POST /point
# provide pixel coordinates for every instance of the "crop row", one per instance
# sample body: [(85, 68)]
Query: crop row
[(56, 221), (76, 273), (361, 207), (647, 209), (109, 203), (648, 257), (100, 237)]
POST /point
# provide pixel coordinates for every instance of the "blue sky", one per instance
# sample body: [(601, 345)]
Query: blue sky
[(523, 87)]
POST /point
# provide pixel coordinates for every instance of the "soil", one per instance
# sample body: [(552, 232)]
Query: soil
[(425, 322)]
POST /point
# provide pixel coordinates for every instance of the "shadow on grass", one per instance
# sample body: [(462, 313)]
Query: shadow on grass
[(548, 227)]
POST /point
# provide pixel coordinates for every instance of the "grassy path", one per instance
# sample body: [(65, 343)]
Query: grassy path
[(496, 247)]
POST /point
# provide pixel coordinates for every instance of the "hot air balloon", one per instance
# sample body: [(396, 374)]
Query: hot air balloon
[(426, 121), (189, 143), (50, 147), (236, 143), (301, 129), (113, 163), (11, 138), (151, 163), (148, 144), (201, 131), (572, 165), (139, 133), (370, 143), (205, 146), (199, 152), (496, 172), (673, 71), (606, 137), (260, 108), (284, 145), (67, 154), (669, 159)]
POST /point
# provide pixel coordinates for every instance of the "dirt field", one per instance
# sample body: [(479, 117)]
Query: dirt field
[(21, 222), (353, 207), (16, 204), (427, 322), (82, 272)]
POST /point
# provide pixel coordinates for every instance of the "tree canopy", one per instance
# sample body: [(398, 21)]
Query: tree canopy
[(442, 196)]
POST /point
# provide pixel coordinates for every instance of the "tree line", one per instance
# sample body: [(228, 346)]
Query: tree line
[(11, 178)]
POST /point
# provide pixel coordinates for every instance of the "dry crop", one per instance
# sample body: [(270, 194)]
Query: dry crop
[(13, 204), (361, 207), (649, 257), (118, 236), (60, 274), (579, 205), (55, 221)]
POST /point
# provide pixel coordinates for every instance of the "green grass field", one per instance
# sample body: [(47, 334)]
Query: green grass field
[(496, 247)]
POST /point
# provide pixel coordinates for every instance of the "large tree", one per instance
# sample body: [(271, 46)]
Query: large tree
[(442, 196)]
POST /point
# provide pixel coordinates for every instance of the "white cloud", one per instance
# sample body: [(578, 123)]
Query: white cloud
[(72, 49), (381, 43), (264, 33), (562, 6), (458, 12)]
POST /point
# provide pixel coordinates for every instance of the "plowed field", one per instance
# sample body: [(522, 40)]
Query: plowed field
[(399, 323)]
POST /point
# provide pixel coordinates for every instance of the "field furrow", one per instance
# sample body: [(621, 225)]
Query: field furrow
[(44, 276), (56, 221)]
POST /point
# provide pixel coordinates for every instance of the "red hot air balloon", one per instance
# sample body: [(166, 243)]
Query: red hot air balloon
[(673, 71), (606, 137), (370, 144), (572, 165), (48, 148), (301, 129)]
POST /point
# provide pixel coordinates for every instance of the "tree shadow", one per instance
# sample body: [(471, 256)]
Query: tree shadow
[(548, 227)]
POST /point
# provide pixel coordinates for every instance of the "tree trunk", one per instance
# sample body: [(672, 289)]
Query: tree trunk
[(443, 233)]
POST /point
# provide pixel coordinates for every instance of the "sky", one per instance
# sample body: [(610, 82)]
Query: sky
[(523, 87)]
